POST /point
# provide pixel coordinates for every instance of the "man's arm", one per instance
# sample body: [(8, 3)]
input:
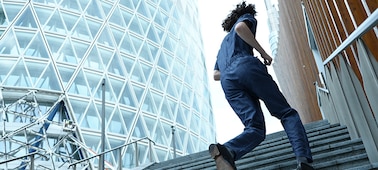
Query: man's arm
[(245, 34), (217, 75)]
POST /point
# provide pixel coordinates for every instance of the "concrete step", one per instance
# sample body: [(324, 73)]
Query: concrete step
[(330, 144)]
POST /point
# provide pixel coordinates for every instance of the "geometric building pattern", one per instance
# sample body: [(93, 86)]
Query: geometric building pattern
[(55, 54)]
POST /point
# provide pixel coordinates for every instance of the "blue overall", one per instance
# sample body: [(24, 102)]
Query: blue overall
[(245, 80)]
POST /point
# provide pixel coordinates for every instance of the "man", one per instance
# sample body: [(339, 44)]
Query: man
[(245, 80)]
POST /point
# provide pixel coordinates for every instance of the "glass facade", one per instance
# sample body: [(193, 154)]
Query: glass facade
[(55, 54)]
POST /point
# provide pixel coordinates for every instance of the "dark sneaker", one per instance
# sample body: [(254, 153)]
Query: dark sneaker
[(304, 166), (222, 157)]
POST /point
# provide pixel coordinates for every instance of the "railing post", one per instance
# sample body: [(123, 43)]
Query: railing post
[(150, 150), (32, 162), (136, 155), (102, 156), (173, 141), (120, 159)]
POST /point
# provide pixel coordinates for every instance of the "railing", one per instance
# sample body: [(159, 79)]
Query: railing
[(346, 100), (30, 155), (119, 156)]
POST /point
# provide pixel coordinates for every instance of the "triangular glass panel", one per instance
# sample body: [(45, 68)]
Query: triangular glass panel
[(106, 7), (11, 10), (80, 49), (161, 19), (144, 24), (173, 105), (94, 26), (94, 80), (148, 104), (67, 54), (156, 82), (37, 48), (71, 5), (146, 70), (128, 3), (143, 10), (162, 62), (35, 70), (117, 86), (83, 3), (127, 46), (152, 35), (139, 130), (105, 55), (137, 73), (127, 96), (159, 136), (66, 74), (135, 26), (6, 64), (145, 53), (8, 44), (189, 146), (186, 95), (150, 124), (94, 10), (92, 117), (171, 89), (174, 28), (158, 99), (26, 19), (23, 39), (180, 118), (116, 124), (79, 107), (79, 85), (117, 18), (81, 30), (164, 79), (93, 60), (49, 80), (128, 63), (69, 20), (117, 35), (166, 110), (167, 5), (18, 76), (138, 91), (43, 14), (179, 140), (169, 44), (105, 38), (54, 44), (55, 24), (168, 132), (128, 117)]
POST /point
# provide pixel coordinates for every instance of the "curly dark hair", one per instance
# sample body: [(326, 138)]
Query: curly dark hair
[(241, 9)]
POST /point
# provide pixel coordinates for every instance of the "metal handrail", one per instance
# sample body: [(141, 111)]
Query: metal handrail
[(365, 26), (118, 147)]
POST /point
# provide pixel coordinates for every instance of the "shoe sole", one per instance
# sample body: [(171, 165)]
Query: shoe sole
[(214, 151), (220, 162)]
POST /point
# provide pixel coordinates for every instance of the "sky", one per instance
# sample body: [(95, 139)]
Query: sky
[(211, 15)]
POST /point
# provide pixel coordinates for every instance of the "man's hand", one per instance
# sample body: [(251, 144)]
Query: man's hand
[(267, 59), (217, 75)]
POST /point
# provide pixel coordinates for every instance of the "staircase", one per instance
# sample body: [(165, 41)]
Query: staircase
[(330, 144)]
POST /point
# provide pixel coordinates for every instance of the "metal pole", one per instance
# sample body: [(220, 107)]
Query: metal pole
[(102, 160), (32, 162), (173, 141), (136, 155), (120, 159)]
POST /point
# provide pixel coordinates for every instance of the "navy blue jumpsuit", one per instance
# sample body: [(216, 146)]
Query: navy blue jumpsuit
[(245, 80)]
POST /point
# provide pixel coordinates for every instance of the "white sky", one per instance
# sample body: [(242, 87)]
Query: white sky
[(211, 15)]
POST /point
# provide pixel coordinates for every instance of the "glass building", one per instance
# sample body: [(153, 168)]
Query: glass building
[(57, 56)]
